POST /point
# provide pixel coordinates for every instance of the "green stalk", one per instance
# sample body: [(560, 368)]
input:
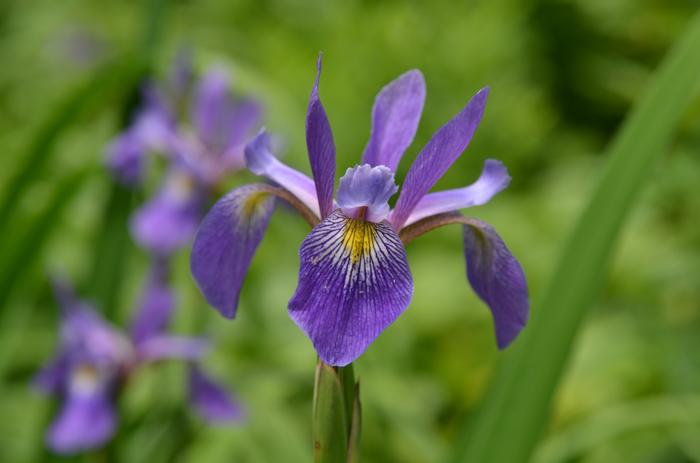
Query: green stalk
[(336, 414)]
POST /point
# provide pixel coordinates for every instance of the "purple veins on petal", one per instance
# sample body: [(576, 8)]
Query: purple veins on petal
[(261, 161), (354, 281), (87, 418), (395, 117), (211, 401), (367, 188), (321, 148), (498, 279), (494, 178), (226, 242), (437, 156)]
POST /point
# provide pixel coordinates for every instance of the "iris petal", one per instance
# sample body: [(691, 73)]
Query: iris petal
[(437, 156), (156, 305), (213, 403), (226, 242), (395, 117), (261, 161), (493, 179), (319, 142), (497, 278), (86, 421), (354, 281), (166, 347)]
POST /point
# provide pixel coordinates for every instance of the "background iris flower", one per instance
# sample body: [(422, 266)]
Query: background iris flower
[(199, 152), (95, 360), (354, 279)]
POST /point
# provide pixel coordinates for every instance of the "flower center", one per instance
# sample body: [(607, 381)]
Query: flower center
[(364, 192)]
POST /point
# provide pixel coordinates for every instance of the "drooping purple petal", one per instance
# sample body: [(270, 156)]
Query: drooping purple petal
[(437, 156), (211, 401), (87, 419), (169, 220), (125, 158), (498, 279), (354, 281), (225, 245), (395, 117), (493, 179), (166, 347), (261, 161), (368, 189), (321, 147), (156, 305), (52, 378)]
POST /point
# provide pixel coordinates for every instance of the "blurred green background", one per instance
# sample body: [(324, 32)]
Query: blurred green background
[(562, 76)]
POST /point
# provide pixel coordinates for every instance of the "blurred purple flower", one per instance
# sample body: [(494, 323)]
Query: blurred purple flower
[(354, 279), (95, 360), (199, 153)]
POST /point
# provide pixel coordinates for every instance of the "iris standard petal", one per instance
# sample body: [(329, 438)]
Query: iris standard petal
[(169, 220), (261, 161), (211, 401), (493, 179), (437, 156), (497, 278), (213, 110), (166, 347), (87, 420), (52, 378), (395, 117), (226, 242), (321, 147), (125, 158), (354, 281), (156, 304), (367, 189)]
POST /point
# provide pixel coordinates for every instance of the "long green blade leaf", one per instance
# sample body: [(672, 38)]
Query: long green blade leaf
[(517, 405)]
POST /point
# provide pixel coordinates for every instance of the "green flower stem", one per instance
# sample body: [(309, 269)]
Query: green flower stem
[(336, 414)]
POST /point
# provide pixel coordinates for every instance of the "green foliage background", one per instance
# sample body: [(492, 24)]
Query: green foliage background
[(562, 76)]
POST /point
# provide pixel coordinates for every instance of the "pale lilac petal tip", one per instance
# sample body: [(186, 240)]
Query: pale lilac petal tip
[(261, 161), (369, 188), (211, 401), (354, 281), (321, 148), (498, 279), (494, 178), (395, 117), (225, 245), (437, 156), (167, 347)]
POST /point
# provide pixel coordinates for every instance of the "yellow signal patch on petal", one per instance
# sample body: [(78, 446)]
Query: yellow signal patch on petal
[(358, 238), (252, 203)]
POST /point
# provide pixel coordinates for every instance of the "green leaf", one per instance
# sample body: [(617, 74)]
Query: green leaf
[(517, 406)]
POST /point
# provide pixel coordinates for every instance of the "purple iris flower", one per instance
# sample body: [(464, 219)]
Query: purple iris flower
[(354, 279), (199, 153), (95, 360)]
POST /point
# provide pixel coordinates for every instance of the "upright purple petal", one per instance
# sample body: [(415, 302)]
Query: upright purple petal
[(261, 161), (225, 245), (437, 156), (354, 281), (166, 347), (156, 304), (87, 419), (494, 178), (498, 279), (212, 402), (366, 190), (169, 220), (213, 110), (245, 117), (395, 116), (125, 158), (319, 142)]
